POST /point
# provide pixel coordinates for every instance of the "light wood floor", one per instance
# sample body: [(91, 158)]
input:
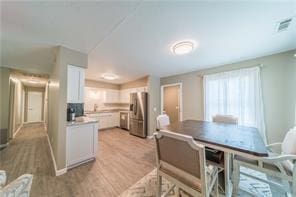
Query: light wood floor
[(121, 161)]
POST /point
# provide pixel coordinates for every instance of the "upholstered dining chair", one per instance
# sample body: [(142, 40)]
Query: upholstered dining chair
[(281, 163), (19, 187), (162, 120), (181, 161), (225, 119)]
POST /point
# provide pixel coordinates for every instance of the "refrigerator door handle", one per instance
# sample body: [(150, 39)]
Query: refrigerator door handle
[(131, 107), (136, 106)]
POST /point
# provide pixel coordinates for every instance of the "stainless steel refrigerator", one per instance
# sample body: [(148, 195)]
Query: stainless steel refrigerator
[(138, 114)]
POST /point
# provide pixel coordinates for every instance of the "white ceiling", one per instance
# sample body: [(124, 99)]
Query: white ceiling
[(133, 39)]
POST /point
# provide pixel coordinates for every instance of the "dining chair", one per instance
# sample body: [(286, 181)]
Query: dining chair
[(281, 163), (19, 187), (225, 119), (181, 161), (216, 157), (162, 120)]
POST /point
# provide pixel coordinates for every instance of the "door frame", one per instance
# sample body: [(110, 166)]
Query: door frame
[(26, 105), (180, 97)]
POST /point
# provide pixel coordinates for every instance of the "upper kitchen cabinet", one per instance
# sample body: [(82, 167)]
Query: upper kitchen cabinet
[(76, 81), (112, 96)]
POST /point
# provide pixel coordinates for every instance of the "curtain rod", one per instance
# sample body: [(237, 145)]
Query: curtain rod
[(257, 65)]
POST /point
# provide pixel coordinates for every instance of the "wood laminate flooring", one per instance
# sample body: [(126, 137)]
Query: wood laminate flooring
[(121, 161)]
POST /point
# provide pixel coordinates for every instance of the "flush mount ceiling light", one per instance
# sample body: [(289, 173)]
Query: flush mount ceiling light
[(183, 47), (109, 76)]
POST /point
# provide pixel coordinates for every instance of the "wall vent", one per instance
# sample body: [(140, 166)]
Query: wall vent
[(284, 25)]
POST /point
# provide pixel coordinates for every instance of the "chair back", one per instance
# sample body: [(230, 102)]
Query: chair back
[(162, 121), (180, 153), (225, 119), (19, 187), (289, 142)]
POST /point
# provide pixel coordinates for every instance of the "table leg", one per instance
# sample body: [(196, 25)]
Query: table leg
[(227, 172)]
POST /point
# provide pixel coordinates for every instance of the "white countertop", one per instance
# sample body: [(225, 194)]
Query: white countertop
[(105, 111), (81, 121)]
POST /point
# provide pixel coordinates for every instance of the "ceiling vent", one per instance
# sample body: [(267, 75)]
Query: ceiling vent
[(284, 25)]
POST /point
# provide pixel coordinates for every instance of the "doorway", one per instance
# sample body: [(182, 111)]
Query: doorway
[(34, 106), (171, 101)]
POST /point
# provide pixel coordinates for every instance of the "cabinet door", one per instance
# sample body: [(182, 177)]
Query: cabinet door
[(124, 96), (72, 84), (101, 122), (81, 85), (104, 121), (80, 143), (116, 119), (75, 84)]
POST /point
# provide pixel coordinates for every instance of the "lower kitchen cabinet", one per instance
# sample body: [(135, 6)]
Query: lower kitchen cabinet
[(82, 142), (106, 119)]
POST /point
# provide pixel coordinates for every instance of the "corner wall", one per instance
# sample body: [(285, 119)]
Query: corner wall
[(4, 104), (57, 101), (153, 103)]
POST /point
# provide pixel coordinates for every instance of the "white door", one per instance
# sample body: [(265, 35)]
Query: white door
[(34, 108)]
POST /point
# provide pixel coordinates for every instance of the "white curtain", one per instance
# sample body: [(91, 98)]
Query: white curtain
[(236, 93)]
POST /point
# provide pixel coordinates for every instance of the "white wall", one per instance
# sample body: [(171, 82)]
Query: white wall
[(57, 101), (18, 107), (4, 104), (278, 85), (153, 102)]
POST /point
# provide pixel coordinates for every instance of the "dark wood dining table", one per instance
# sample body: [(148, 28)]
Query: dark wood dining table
[(229, 138)]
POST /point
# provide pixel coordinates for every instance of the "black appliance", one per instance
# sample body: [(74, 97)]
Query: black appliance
[(70, 114)]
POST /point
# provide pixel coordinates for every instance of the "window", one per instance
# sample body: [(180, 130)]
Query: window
[(236, 93)]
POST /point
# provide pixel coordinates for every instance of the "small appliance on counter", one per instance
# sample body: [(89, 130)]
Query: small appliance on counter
[(70, 114), (74, 110)]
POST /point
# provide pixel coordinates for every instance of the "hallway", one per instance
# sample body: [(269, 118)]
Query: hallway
[(121, 161)]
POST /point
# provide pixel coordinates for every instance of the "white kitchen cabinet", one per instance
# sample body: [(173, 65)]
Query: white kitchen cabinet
[(75, 84), (112, 96), (106, 120), (115, 119), (82, 143), (125, 96)]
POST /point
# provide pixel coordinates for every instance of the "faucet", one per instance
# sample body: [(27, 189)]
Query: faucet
[(95, 107)]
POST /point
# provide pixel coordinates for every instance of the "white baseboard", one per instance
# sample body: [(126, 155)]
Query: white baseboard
[(150, 137), (13, 136), (61, 171), (28, 123), (57, 172)]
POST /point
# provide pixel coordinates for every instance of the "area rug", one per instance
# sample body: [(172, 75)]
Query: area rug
[(146, 187)]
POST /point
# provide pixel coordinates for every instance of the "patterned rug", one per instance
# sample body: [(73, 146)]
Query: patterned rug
[(146, 187)]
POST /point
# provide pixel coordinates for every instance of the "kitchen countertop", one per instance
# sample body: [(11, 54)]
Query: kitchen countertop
[(84, 120), (106, 111)]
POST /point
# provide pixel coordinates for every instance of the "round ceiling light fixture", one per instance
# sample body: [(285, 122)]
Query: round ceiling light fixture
[(183, 47), (109, 76)]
